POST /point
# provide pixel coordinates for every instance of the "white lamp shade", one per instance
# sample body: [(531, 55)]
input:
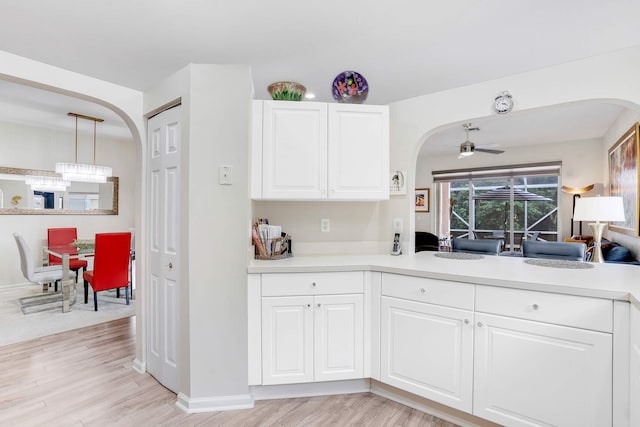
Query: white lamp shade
[(599, 209)]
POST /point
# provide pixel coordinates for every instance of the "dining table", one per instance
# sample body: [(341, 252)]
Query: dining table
[(65, 253)]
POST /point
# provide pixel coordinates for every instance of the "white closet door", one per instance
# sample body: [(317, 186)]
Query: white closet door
[(163, 148)]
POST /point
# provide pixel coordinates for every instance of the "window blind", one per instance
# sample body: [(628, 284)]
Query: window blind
[(548, 168)]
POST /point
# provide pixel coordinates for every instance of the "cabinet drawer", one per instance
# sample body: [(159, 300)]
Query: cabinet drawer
[(434, 291), (283, 284), (568, 310)]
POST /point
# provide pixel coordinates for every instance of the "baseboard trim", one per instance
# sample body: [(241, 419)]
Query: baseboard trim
[(286, 391), (462, 419), (213, 403), (139, 366)]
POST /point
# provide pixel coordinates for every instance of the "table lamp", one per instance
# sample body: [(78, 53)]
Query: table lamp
[(598, 209)]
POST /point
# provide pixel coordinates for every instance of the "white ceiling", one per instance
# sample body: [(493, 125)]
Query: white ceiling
[(568, 122), (404, 48)]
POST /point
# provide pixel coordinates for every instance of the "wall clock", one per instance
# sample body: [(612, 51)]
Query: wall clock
[(503, 103)]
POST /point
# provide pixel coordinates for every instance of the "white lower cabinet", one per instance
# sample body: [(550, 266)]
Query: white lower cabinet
[(312, 338), (535, 374), (514, 357), (428, 350), (542, 359)]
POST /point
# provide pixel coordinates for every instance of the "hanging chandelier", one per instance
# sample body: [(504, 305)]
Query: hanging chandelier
[(46, 183), (83, 172)]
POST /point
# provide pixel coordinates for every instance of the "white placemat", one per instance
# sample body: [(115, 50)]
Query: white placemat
[(558, 263), (458, 255)]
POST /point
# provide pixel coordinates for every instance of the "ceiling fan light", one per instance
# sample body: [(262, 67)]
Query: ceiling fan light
[(466, 148)]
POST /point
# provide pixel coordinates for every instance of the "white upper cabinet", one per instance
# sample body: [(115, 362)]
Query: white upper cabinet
[(294, 150), (358, 152), (319, 151)]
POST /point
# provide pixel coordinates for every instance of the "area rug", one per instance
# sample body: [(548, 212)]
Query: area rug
[(16, 326)]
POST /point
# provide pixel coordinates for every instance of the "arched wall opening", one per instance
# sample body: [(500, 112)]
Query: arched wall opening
[(583, 156), (127, 104)]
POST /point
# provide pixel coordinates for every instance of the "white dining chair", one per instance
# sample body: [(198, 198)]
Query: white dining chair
[(40, 275)]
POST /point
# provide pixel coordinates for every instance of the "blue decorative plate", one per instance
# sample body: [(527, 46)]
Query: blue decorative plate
[(350, 87)]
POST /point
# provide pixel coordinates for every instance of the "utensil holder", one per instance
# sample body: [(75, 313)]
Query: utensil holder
[(277, 248)]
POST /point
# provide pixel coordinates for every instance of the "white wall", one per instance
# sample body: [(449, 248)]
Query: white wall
[(615, 132), (581, 166), (215, 220), (29, 147), (606, 78)]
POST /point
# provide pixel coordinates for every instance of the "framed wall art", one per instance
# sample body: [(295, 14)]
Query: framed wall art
[(624, 157), (422, 200)]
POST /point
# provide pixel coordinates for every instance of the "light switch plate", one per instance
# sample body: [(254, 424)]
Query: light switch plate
[(225, 177)]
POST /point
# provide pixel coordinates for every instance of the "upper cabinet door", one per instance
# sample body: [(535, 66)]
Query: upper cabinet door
[(358, 152), (294, 156)]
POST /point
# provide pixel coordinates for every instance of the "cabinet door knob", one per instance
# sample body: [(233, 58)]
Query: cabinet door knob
[(422, 290), (319, 305), (467, 321), (313, 284), (535, 306), (479, 324), (308, 305)]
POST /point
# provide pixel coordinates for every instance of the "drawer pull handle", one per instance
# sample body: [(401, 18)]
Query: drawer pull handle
[(535, 306), (313, 284), (480, 324), (422, 291)]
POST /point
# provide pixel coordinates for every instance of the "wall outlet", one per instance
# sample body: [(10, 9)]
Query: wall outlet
[(325, 225), (397, 225)]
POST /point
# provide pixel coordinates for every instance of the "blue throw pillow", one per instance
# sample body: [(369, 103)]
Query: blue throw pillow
[(617, 253)]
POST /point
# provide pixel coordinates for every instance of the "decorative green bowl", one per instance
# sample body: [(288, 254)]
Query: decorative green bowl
[(286, 91)]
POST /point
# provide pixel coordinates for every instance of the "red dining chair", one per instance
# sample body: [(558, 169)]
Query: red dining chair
[(60, 239), (110, 265)]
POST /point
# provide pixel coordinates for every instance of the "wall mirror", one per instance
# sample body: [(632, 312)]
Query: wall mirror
[(81, 198)]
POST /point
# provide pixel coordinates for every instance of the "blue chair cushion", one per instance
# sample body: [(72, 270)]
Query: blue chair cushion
[(617, 254), (554, 250), (472, 246)]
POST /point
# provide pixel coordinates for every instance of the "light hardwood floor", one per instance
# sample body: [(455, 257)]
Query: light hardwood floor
[(84, 378)]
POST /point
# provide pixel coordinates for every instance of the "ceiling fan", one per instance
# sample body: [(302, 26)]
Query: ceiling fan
[(467, 148)]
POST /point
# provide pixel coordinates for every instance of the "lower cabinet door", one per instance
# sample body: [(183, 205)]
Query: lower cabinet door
[(536, 374), (339, 337), (287, 340), (428, 350)]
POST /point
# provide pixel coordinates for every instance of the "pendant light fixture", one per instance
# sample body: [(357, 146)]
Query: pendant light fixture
[(46, 183), (82, 172)]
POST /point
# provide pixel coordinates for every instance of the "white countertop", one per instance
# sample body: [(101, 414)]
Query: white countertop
[(610, 281)]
